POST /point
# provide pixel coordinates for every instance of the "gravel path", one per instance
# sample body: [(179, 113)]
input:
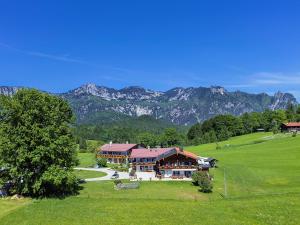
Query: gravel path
[(125, 175), (108, 171)]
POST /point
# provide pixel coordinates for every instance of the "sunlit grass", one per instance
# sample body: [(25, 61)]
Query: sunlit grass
[(262, 180)]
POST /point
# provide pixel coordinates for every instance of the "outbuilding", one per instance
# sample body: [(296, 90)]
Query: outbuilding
[(290, 127)]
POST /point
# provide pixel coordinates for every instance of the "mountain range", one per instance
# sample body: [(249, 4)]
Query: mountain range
[(180, 106)]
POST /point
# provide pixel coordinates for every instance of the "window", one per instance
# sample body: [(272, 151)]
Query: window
[(187, 173), (176, 173)]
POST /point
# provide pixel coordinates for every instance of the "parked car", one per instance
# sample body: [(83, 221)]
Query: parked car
[(81, 181), (115, 175), (4, 190)]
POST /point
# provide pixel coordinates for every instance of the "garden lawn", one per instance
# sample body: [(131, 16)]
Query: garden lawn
[(87, 159), (262, 180), (84, 174)]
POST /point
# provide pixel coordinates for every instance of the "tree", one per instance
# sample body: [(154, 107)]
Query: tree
[(148, 139), (194, 132), (275, 127), (82, 144), (36, 144), (93, 145), (171, 137), (298, 114), (101, 162), (223, 134)]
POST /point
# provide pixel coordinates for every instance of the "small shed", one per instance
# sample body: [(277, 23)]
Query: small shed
[(290, 127)]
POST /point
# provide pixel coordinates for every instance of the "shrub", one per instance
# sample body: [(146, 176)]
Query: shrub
[(101, 162), (117, 182), (132, 173), (202, 179), (294, 134), (218, 146), (195, 178), (56, 181), (206, 185)]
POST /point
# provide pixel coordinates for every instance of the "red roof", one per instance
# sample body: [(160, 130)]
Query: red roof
[(186, 153), (292, 124), (117, 147), (155, 152), (148, 153)]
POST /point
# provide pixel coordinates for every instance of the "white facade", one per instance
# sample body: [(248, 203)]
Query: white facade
[(140, 168), (177, 172)]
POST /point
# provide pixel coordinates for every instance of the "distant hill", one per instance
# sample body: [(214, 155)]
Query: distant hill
[(180, 106)]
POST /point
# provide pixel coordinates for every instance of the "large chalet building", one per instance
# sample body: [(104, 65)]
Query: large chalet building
[(172, 162), (165, 162), (116, 153)]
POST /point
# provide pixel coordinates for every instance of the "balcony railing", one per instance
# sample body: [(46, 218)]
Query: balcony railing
[(143, 163), (111, 156), (178, 167)]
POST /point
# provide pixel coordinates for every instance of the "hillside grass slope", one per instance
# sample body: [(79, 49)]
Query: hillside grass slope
[(262, 177)]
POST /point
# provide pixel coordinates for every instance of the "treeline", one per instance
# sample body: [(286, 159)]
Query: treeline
[(222, 127), (151, 132), (145, 130)]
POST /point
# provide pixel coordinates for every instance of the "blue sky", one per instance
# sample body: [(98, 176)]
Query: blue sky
[(252, 46)]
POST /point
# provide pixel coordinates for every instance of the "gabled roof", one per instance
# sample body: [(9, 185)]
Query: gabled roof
[(186, 153), (190, 155), (292, 124), (160, 153), (149, 153), (117, 147)]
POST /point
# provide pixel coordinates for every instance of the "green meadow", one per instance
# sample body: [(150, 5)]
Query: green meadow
[(86, 159), (84, 174), (257, 182)]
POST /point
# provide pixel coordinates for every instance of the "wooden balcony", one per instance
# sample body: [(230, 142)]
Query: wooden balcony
[(111, 156), (143, 163), (177, 167)]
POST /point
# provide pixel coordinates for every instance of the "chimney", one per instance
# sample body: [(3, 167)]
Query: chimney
[(110, 143)]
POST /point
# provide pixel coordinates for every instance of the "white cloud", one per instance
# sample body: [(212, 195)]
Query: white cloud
[(63, 57), (68, 59), (265, 78)]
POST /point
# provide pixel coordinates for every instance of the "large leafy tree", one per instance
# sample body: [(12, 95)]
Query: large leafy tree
[(36, 144), (148, 139), (171, 137)]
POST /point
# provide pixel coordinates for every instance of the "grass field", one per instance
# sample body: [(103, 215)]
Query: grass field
[(86, 159), (262, 180)]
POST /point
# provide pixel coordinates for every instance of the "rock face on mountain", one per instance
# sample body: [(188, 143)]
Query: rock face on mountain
[(6, 90), (181, 106)]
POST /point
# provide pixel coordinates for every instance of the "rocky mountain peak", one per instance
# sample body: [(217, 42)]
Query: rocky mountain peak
[(8, 91), (182, 106), (218, 90), (89, 88)]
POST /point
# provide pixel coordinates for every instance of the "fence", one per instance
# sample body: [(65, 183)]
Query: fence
[(134, 185)]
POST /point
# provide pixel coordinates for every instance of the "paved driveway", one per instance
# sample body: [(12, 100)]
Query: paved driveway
[(125, 175), (108, 171)]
